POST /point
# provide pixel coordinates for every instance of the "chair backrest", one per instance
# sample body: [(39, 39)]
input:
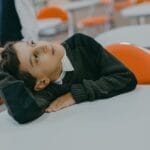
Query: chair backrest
[(135, 58), (122, 4), (142, 1), (52, 11)]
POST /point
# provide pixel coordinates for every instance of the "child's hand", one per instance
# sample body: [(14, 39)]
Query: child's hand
[(61, 102)]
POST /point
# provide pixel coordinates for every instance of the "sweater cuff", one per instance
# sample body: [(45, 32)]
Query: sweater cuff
[(78, 92)]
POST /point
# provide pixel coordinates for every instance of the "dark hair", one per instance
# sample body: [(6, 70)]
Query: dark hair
[(10, 63)]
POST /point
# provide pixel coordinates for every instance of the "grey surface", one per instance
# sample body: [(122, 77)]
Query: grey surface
[(118, 123), (138, 10), (135, 34)]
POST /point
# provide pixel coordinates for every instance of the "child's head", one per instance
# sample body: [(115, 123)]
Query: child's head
[(37, 64)]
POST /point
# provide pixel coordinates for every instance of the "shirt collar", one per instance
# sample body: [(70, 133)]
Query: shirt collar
[(66, 66)]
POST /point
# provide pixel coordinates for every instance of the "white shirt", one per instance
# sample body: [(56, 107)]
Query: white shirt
[(66, 66), (26, 14)]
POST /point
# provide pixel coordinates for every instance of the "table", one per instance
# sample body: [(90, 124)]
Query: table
[(118, 123), (140, 11), (76, 5), (48, 26), (135, 34)]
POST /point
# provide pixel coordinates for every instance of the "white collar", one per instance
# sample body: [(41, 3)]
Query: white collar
[(66, 66)]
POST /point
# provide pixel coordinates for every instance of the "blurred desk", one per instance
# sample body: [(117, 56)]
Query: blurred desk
[(140, 11), (46, 23), (47, 27), (118, 123), (74, 6), (135, 34)]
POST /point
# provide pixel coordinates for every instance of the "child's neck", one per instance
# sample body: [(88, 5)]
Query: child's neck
[(59, 69), (57, 73)]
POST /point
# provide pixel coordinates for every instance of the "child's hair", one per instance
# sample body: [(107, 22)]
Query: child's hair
[(10, 64)]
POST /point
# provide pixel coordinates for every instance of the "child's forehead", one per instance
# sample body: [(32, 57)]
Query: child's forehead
[(21, 45)]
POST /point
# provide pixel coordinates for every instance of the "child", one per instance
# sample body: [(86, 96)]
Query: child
[(78, 70)]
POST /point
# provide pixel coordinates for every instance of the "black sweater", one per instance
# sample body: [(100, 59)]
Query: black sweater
[(97, 75)]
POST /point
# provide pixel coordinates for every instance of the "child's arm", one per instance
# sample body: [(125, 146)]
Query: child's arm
[(22, 104), (114, 77)]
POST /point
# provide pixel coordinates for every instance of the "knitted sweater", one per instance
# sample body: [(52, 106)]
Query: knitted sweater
[(97, 74)]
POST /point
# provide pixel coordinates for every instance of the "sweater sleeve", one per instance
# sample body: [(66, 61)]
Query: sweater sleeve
[(114, 77), (23, 105)]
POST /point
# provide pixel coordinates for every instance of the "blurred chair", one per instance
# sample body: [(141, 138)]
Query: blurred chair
[(98, 20), (107, 19), (137, 59), (139, 12), (123, 4), (126, 3), (51, 14)]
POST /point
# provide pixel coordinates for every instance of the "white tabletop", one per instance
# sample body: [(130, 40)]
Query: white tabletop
[(75, 5), (118, 123), (48, 23), (135, 34), (138, 10)]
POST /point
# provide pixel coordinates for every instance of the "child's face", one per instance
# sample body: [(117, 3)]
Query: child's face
[(40, 59)]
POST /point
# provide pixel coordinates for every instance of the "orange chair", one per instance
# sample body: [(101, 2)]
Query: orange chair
[(54, 12), (91, 21), (141, 1), (137, 59), (122, 4), (126, 3), (105, 19)]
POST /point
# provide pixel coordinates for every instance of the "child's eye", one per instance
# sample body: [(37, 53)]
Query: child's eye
[(36, 55), (32, 43), (36, 58)]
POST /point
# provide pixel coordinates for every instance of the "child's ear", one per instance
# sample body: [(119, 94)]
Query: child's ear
[(41, 84)]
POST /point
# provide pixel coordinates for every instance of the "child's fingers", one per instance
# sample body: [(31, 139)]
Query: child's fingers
[(48, 110), (54, 107)]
